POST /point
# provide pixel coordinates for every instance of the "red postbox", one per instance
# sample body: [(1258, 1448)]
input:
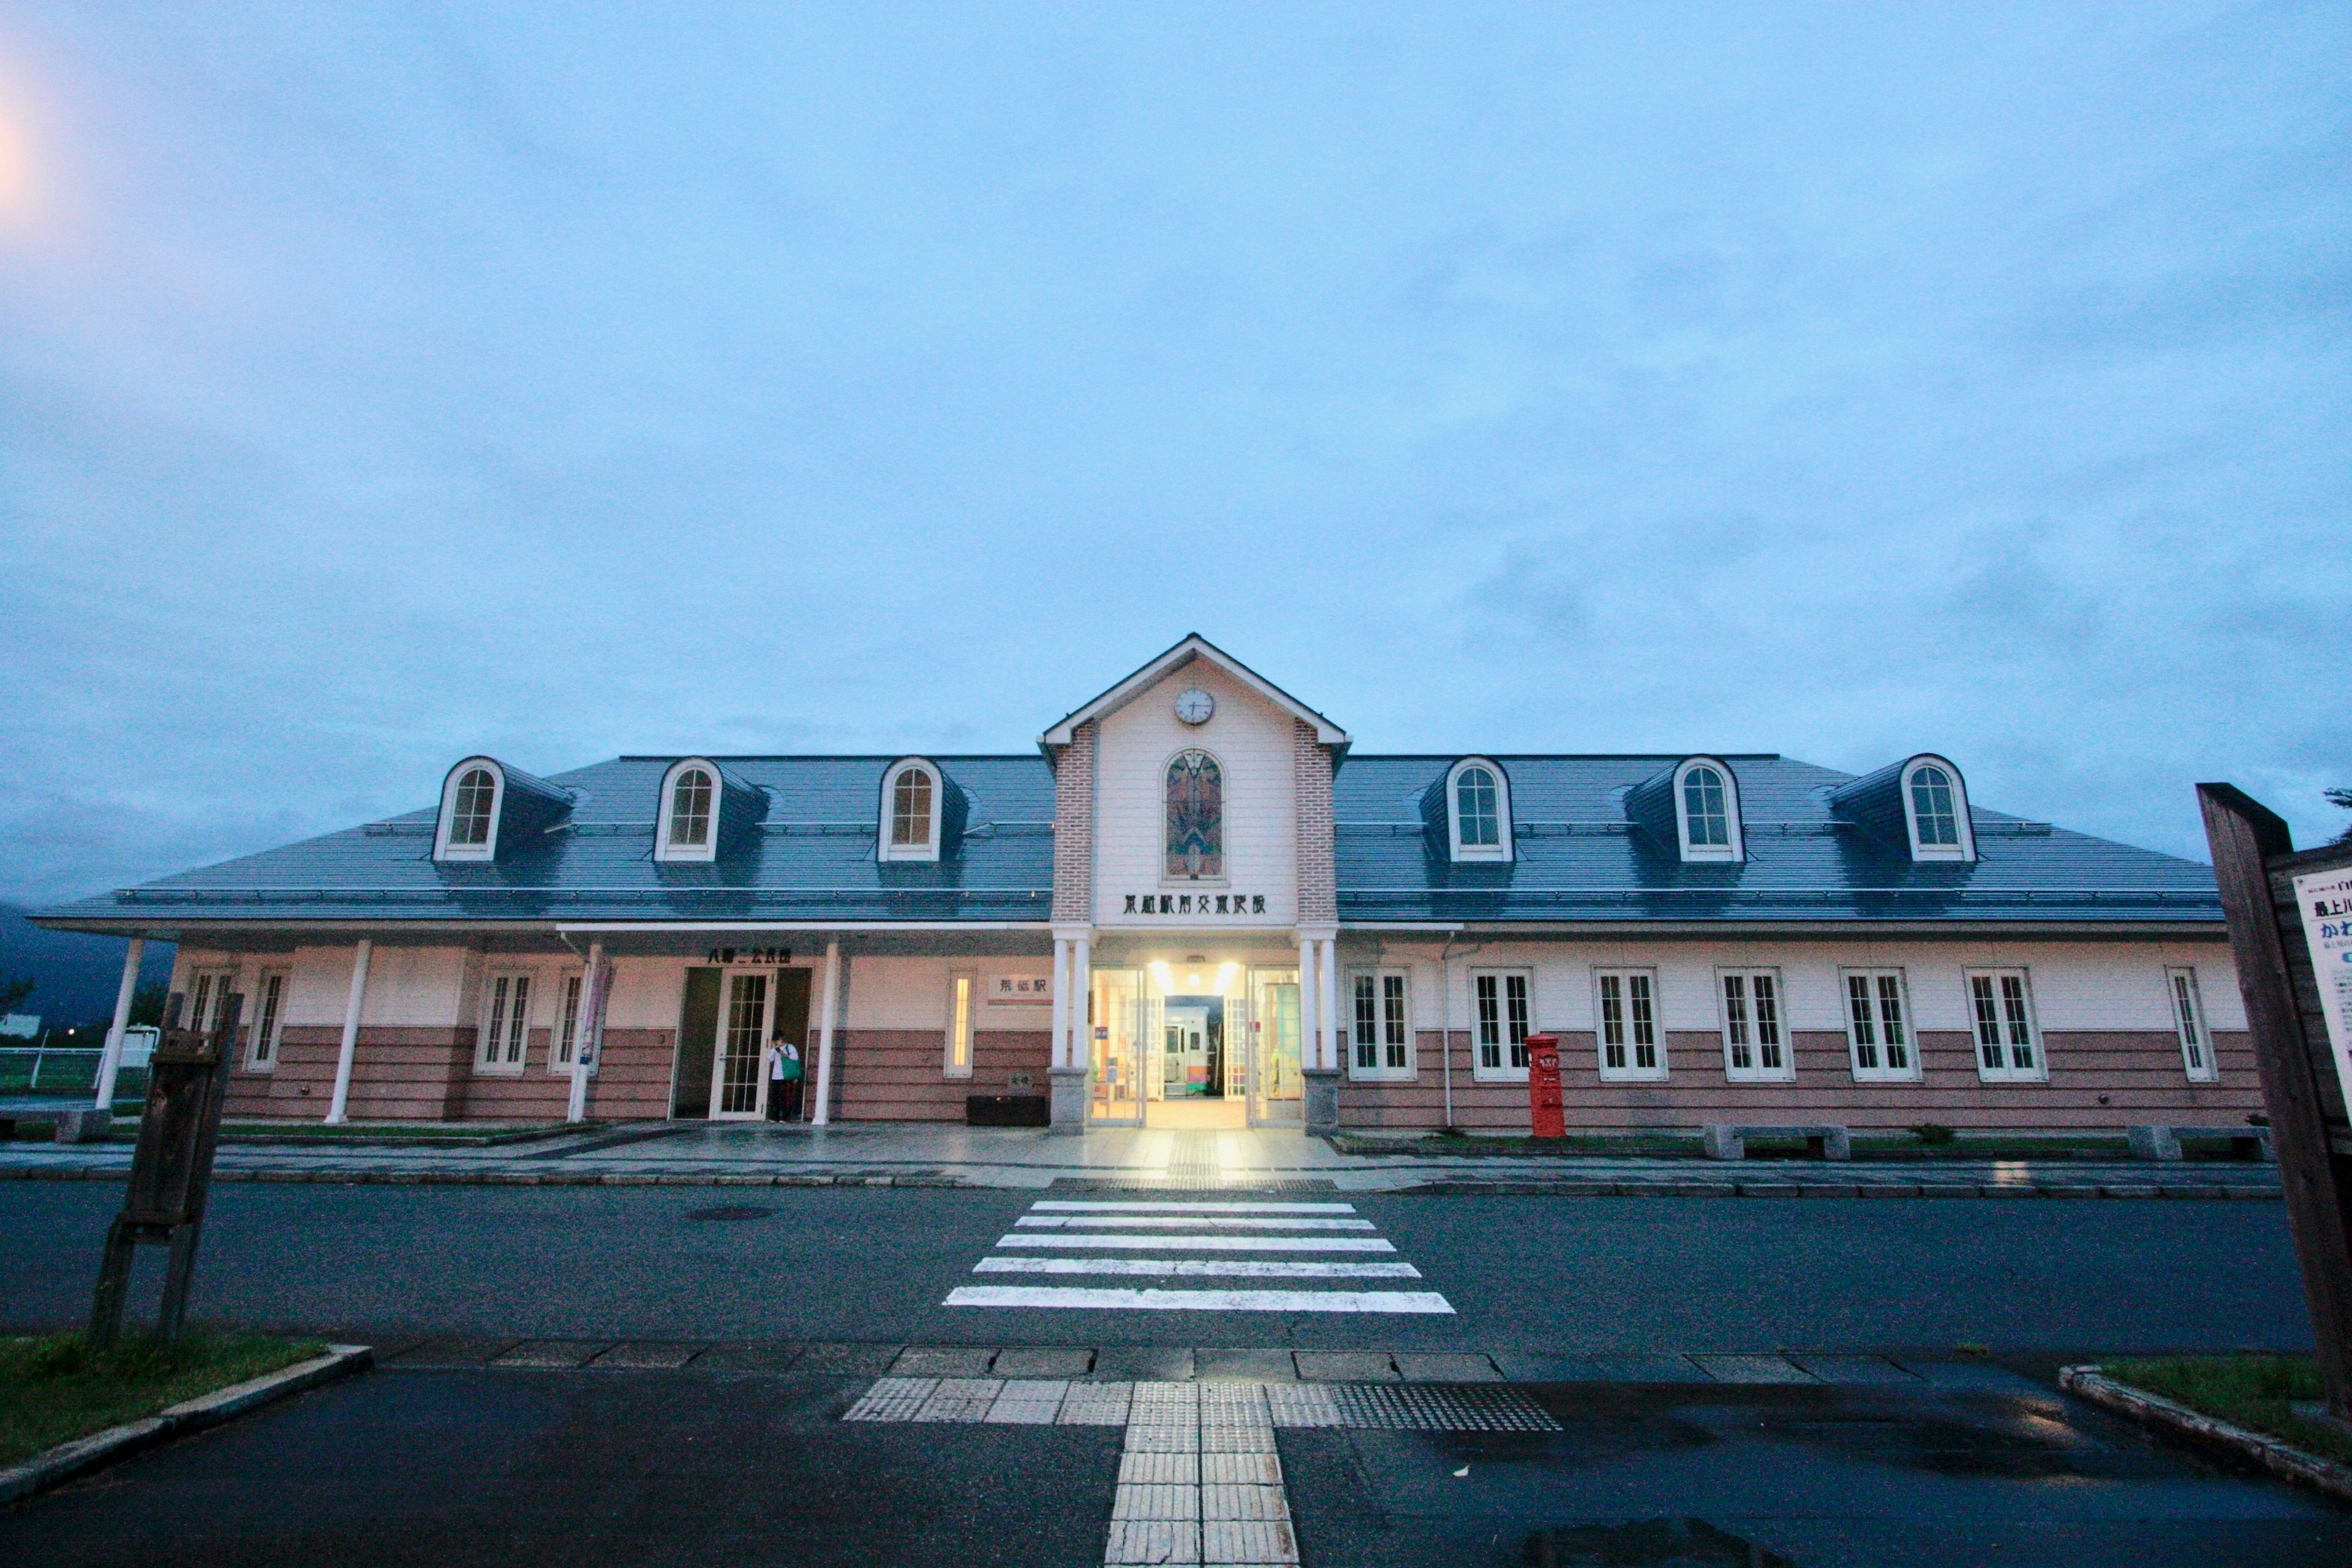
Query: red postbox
[(1544, 1113)]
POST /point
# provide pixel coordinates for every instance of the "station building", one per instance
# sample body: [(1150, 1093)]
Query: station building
[(1197, 905)]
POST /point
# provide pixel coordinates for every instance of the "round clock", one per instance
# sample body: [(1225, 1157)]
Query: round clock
[(1195, 706)]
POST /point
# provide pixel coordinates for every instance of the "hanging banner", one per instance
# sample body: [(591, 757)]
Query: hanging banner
[(2325, 900)]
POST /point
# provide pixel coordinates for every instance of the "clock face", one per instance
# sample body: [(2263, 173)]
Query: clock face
[(1195, 706)]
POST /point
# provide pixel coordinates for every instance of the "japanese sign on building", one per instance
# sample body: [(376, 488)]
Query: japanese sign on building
[(1020, 991), (2325, 900)]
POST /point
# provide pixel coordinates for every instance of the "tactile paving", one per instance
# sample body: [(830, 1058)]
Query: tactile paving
[(892, 1399), (1439, 1407), (960, 1399)]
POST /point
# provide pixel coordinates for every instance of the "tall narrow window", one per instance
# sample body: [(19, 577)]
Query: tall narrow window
[(567, 1025), (1704, 816), (2008, 1047), (1381, 1033), (1931, 807), (689, 810), (1501, 1017), (1478, 811), (910, 809), (742, 1045), (505, 1024), (1877, 1025), (469, 818), (1755, 1037), (915, 794), (1625, 1023), (2189, 1017), (269, 1020), (1196, 818), (960, 1005)]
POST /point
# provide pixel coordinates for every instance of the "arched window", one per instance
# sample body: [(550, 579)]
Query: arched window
[(692, 801), (1478, 810), (1936, 807), (1707, 811), (469, 822), (471, 796), (911, 796), (1196, 818)]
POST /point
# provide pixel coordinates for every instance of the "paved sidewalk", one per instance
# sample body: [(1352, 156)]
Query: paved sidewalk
[(903, 1154)]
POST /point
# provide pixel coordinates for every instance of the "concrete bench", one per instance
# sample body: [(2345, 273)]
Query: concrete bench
[(2163, 1142), (83, 1125), (1729, 1140)]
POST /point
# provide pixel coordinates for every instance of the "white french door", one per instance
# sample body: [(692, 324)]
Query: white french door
[(738, 1079)]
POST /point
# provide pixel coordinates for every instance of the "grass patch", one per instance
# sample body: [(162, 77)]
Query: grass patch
[(55, 1388), (2250, 1390)]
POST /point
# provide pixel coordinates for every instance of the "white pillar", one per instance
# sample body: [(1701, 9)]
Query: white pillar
[(111, 1058), (1082, 980), (1328, 1003), (1310, 1029), (337, 1107), (824, 1031), (1061, 1003), (587, 1030)]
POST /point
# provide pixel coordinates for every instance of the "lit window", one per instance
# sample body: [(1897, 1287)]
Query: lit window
[(2189, 1017), (2009, 1047), (689, 809), (1196, 819), (268, 1021), (1381, 1032), (505, 1024), (1877, 1025), (1755, 1027), (1478, 812), (960, 1005), (1625, 1017), (1501, 1016), (469, 822)]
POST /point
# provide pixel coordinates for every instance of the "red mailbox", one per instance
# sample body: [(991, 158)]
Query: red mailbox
[(1543, 1087)]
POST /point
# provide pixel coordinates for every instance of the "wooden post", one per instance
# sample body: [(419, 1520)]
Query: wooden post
[(2247, 841)]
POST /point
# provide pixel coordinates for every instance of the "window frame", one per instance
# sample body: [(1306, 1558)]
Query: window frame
[(1633, 1070), (1735, 848), (1728, 1025), (518, 1030), (886, 821), (267, 1029), (1502, 1070), (967, 1026), (2191, 1023), (1963, 827), (1498, 852), (667, 847), (204, 995), (1390, 983), (2009, 1072), (1874, 984), (563, 1027), (488, 850)]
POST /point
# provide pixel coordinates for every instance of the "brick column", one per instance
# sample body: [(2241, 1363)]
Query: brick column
[(1074, 917), (1318, 881), (1319, 924)]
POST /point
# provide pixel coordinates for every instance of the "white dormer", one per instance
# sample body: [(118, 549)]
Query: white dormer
[(1707, 811), (470, 798), (913, 793), (1478, 810), (692, 797), (1935, 811)]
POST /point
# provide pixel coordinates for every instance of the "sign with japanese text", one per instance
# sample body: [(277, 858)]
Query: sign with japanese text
[(2326, 901), (1020, 991)]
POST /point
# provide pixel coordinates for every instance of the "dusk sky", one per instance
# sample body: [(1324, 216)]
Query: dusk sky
[(385, 383)]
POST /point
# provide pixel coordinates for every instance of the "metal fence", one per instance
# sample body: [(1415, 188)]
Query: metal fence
[(63, 1071)]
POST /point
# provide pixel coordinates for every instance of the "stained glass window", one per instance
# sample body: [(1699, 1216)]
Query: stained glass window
[(1196, 816)]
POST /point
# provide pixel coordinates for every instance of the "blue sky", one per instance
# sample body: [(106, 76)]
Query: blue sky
[(382, 384)]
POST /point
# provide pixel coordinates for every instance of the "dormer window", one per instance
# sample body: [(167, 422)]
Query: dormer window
[(1707, 811), (1478, 811), (1936, 807), (687, 828), (470, 798), (910, 812)]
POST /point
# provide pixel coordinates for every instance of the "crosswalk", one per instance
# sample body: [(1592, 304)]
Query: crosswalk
[(1320, 1250)]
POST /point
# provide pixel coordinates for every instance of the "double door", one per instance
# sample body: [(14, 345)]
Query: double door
[(733, 1018)]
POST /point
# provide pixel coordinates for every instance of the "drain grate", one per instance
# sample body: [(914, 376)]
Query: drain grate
[(1438, 1407)]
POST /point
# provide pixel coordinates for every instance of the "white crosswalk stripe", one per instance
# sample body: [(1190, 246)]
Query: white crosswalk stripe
[(1299, 1236)]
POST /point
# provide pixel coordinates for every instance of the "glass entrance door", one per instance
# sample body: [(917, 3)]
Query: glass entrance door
[(1278, 1092), (738, 1086), (1115, 1087)]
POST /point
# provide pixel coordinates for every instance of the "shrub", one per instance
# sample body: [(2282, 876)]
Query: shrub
[(1933, 1133)]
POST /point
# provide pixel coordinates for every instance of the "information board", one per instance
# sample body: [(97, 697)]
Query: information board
[(2326, 901)]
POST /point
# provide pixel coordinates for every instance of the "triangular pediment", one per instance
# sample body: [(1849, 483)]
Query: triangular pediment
[(1194, 649)]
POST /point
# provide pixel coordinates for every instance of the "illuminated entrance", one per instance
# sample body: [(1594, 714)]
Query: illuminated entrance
[(1194, 1043)]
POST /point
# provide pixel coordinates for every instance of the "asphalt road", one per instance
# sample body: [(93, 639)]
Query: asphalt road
[(1532, 1273)]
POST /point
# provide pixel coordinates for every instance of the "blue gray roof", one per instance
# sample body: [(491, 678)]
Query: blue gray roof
[(1579, 858)]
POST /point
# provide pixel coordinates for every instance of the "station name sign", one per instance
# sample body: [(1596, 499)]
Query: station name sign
[(1195, 903), (750, 955)]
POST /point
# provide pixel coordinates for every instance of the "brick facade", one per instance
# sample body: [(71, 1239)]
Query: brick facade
[(1319, 879), (1074, 829)]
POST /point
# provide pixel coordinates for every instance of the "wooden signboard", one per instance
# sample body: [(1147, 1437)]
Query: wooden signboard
[(2285, 931)]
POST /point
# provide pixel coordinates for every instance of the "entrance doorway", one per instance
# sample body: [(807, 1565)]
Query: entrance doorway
[(730, 1018), (1276, 1090)]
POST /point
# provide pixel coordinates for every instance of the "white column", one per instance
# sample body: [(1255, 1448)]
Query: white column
[(337, 1107), (587, 1030), (825, 1032), (1328, 1003), (1061, 1003), (1082, 980), (111, 1058), (1310, 1029)]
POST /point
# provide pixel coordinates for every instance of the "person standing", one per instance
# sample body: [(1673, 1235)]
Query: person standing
[(783, 1081)]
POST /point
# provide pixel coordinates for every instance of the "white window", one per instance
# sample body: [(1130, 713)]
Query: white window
[(1878, 1026), (469, 811), (1935, 811), (1755, 1026), (1501, 1014), (910, 812), (962, 998), (1707, 811), (208, 993), (1478, 810), (1380, 1025), (691, 799), (269, 1020), (2189, 1017), (568, 995), (2008, 1044), (1625, 1025), (506, 1023)]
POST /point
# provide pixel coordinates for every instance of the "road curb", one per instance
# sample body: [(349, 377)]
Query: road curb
[(83, 1455), (2278, 1456)]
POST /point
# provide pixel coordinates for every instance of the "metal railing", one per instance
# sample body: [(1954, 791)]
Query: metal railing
[(47, 1070)]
